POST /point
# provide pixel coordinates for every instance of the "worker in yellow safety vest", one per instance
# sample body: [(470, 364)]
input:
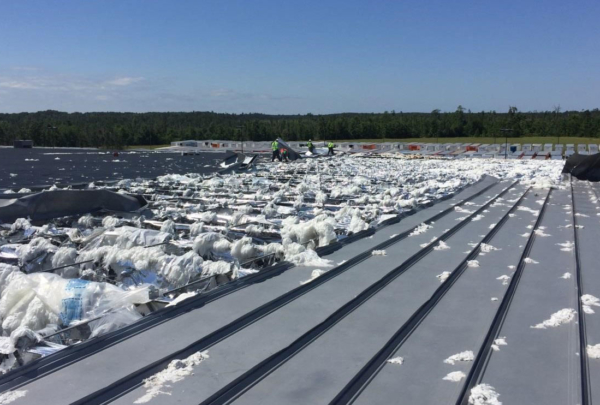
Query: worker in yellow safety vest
[(275, 148), (330, 145), (310, 146)]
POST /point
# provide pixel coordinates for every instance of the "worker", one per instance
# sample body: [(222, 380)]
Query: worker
[(311, 148), (330, 145), (275, 148), (284, 154)]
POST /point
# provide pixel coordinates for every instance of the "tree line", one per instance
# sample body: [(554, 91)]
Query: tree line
[(112, 129)]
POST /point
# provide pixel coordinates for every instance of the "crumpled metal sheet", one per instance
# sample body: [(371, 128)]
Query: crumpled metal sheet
[(59, 203)]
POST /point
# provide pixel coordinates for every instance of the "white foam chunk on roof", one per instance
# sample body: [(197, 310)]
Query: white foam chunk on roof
[(484, 394), (443, 276), (176, 371), (396, 360), (11, 396), (593, 351), (313, 275), (486, 248), (467, 355), (441, 246), (422, 228), (588, 301), (182, 297), (565, 315), (454, 376)]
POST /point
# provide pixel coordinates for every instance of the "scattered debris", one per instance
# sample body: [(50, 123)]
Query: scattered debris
[(485, 248), (454, 376), (501, 341), (588, 301), (566, 246), (444, 276), (421, 229), (462, 356), (441, 246), (182, 297), (484, 394), (593, 351), (315, 274), (176, 371), (565, 315), (396, 360), (11, 396), (540, 232), (504, 278)]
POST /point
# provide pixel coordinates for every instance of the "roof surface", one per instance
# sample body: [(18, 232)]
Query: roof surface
[(506, 248)]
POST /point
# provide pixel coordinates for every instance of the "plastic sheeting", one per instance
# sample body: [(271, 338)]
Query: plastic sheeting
[(60, 203), (34, 301), (584, 167)]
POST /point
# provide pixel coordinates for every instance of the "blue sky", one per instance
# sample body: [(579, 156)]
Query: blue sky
[(289, 57)]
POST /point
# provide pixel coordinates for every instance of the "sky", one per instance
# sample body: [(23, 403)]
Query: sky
[(298, 57)]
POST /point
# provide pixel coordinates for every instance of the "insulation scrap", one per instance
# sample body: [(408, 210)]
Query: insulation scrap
[(467, 355), (593, 351), (176, 371), (454, 376), (588, 301), (484, 394), (396, 360), (315, 274), (441, 246), (11, 396), (565, 315)]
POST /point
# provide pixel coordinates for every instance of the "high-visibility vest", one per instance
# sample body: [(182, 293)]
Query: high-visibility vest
[(330, 144), (275, 145), (309, 144)]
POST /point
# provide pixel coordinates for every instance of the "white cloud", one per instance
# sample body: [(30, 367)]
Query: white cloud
[(25, 68), (124, 81), (37, 90), (14, 84)]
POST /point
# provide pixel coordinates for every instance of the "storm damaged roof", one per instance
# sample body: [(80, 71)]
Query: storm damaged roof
[(483, 298)]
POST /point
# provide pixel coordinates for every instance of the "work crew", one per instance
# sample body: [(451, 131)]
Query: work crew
[(284, 154), (275, 148), (311, 148), (330, 145)]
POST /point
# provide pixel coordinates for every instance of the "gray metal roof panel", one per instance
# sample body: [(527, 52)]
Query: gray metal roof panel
[(282, 327), (457, 323), (320, 371), (141, 350), (541, 365)]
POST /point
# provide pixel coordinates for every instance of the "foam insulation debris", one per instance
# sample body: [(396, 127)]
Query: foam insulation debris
[(467, 355), (176, 371), (565, 315), (484, 394), (199, 231), (396, 360)]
